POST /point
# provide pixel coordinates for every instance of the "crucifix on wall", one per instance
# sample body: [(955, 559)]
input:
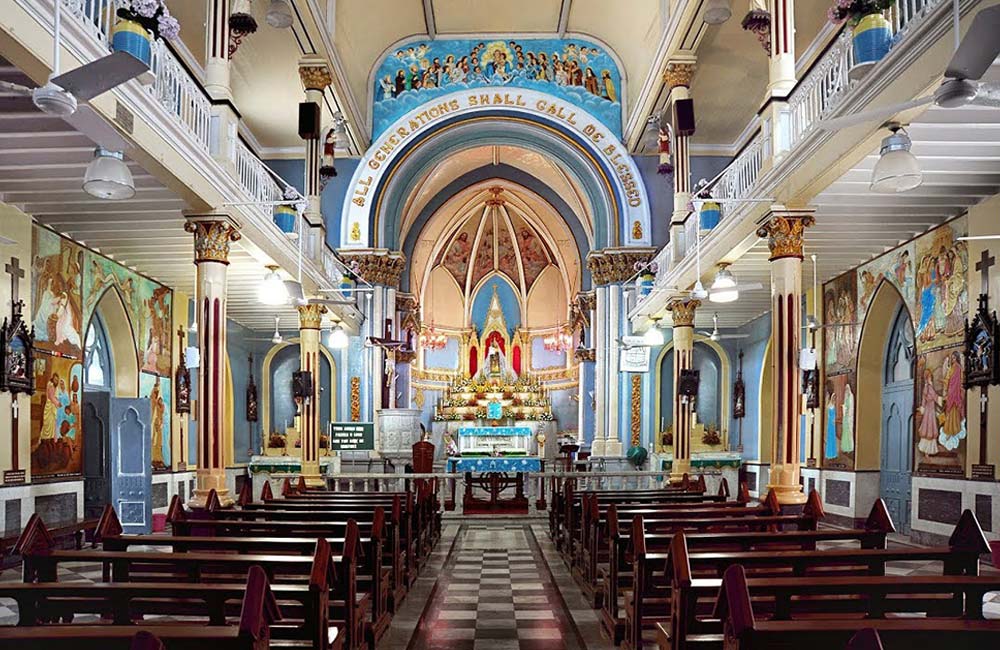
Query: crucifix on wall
[(982, 360), (389, 347), (16, 361)]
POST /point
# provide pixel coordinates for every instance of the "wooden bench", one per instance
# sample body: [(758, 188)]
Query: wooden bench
[(683, 594), (961, 629), (259, 610)]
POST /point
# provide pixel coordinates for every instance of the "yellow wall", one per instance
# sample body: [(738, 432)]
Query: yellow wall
[(15, 225)]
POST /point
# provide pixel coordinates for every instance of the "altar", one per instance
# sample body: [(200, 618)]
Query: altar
[(493, 475)]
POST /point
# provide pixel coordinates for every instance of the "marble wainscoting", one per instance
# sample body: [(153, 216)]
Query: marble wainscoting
[(937, 503), (756, 474), (55, 502), (167, 484), (847, 496)]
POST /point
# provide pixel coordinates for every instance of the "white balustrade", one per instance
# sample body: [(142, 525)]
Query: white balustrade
[(256, 179)]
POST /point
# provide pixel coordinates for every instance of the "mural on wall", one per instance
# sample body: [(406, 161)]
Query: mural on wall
[(148, 304), (838, 436), (940, 412), (942, 295), (57, 315), (896, 268), (56, 423), (575, 70), (157, 389), (840, 312)]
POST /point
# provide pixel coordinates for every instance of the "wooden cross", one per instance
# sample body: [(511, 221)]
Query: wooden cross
[(389, 347), (16, 273), (983, 266)]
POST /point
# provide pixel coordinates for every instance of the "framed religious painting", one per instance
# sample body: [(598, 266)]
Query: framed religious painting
[(982, 354), (16, 354), (739, 393), (810, 387), (252, 406)]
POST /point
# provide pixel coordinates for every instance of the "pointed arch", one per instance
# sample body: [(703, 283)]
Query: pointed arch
[(121, 338)]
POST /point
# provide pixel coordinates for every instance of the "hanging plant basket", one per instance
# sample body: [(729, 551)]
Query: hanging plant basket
[(871, 42)]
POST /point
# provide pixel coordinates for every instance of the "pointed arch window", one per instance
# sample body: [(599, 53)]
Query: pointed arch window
[(97, 356)]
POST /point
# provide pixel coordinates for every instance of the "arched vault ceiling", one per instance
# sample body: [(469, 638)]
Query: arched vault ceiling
[(533, 163)]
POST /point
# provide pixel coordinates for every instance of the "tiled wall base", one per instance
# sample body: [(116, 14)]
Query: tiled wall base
[(166, 485), (55, 502)]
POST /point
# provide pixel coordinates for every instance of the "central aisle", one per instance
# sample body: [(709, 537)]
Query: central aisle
[(493, 591)]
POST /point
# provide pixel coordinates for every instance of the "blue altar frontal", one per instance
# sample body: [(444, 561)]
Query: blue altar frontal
[(491, 464), (494, 431)]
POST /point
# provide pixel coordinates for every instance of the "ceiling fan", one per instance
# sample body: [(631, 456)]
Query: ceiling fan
[(276, 338), (715, 335), (61, 95), (973, 56)]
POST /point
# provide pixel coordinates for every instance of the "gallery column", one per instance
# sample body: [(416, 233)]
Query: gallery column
[(683, 312), (784, 229), (678, 80), (781, 64), (212, 235), (310, 321), (315, 78)]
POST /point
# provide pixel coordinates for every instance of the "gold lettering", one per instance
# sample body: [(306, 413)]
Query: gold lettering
[(540, 105), (402, 132), (433, 110), (520, 101), (414, 125), (453, 104), (484, 100), (497, 99)]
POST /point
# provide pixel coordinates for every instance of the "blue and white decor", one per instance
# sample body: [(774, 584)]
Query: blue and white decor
[(577, 70), (509, 465), (494, 431)]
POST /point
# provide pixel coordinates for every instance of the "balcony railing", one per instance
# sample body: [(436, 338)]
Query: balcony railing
[(738, 179), (256, 179)]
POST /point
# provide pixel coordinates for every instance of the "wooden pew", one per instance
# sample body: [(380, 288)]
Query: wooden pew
[(695, 578), (743, 631), (617, 580), (259, 610)]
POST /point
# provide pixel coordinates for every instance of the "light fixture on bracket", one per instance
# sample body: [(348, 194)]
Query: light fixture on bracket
[(272, 290), (559, 341), (338, 339), (717, 12), (724, 287), (653, 336), (897, 170), (108, 177), (279, 14), (276, 338)]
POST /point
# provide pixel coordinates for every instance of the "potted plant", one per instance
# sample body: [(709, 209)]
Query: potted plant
[(139, 22), (872, 31)]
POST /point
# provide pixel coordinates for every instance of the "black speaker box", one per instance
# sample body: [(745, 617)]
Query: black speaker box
[(687, 383), (309, 121), (302, 384), (684, 116)]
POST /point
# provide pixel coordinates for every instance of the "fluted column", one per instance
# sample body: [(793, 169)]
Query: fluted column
[(217, 49), (310, 321), (784, 230), (315, 78), (781, 65), (212, 235), (683, 312), (678, 80)]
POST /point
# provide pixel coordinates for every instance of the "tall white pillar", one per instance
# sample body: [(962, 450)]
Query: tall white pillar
[(678, 79), (212, 235), (781, 64), (601, 388), (784, 229), (310, 321), (683, 312)]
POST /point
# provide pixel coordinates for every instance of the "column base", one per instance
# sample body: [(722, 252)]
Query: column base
[(597, 447), (678, 468), (199, 500), (311, 475), (785, 483), (209, 480), (612, 447)]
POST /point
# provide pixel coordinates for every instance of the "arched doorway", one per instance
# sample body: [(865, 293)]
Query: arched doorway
[(897, 420), (712, 406)]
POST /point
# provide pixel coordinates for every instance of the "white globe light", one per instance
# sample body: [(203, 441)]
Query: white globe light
[(897, 170), (338, 338), (727, 294), (653, 336), (717, 12), (108, 177), (279, 14), (272, 290)]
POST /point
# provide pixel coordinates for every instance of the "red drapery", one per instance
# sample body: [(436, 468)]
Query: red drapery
[(517, 359), (473, 361), (494, 337)]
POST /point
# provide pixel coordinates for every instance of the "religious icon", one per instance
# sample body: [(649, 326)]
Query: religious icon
[(982, 363), (182, 379), (252, 414), (810, 387), (739, 393), (16, 354)]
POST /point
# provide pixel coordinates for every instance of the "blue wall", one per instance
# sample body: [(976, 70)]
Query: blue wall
[(754, 347), (334, 194), (660, 188), (509, 304)]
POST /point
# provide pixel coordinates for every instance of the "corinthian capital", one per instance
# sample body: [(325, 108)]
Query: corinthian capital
[(311, 316), (611, 265), (212, 235), (683, 312), (314, 73), (678, 73), (784, 230), (376, 265)]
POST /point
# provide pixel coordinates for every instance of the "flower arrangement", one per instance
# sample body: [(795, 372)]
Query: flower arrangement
[(711, 436), (275, 441), (154, 17), (852, 11)]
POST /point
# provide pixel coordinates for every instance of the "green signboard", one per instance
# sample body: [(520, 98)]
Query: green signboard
[(352, 436)]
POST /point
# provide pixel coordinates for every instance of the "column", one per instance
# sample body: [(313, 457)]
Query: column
[(585, 356), (683, 312), (224, 129), (315, 78), (678, 80), (781, 65), (212, 235), (310, 321), (784, 229), (600, 370)]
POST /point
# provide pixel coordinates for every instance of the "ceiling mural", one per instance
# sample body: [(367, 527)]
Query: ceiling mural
[(576, 70)]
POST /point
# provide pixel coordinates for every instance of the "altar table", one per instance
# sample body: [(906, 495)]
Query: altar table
[(492, 474)]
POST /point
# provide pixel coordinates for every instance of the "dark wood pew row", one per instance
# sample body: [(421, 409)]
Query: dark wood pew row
[(592, 548), (567, 511), (616, 581), (258, 611), (373, 575), (372, 584), (316, 593), (962, 629), (680, 598)]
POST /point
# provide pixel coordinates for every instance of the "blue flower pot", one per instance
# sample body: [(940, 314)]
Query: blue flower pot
[(711, 214), (872, 39), (646, 281), (129, 36), (284, 218)]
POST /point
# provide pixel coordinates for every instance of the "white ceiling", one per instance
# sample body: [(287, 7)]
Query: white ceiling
[(42, 163)]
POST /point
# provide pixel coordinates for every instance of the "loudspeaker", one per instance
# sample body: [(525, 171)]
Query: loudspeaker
[(687, 383), (302, 384), (684, 116), (309, 121)]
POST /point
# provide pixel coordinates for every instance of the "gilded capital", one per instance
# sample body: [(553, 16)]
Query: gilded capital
[(376, 265), (315, 76), (613, 265), (683, 312), (784, 232), (212, 238), (678, 74), (311, 316), (587, 300)]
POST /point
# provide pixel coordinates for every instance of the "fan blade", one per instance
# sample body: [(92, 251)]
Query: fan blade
[(979, 48), (17, 89), (750, 286), (88, 122), (734, 336), (97, 77), (876, 115)]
